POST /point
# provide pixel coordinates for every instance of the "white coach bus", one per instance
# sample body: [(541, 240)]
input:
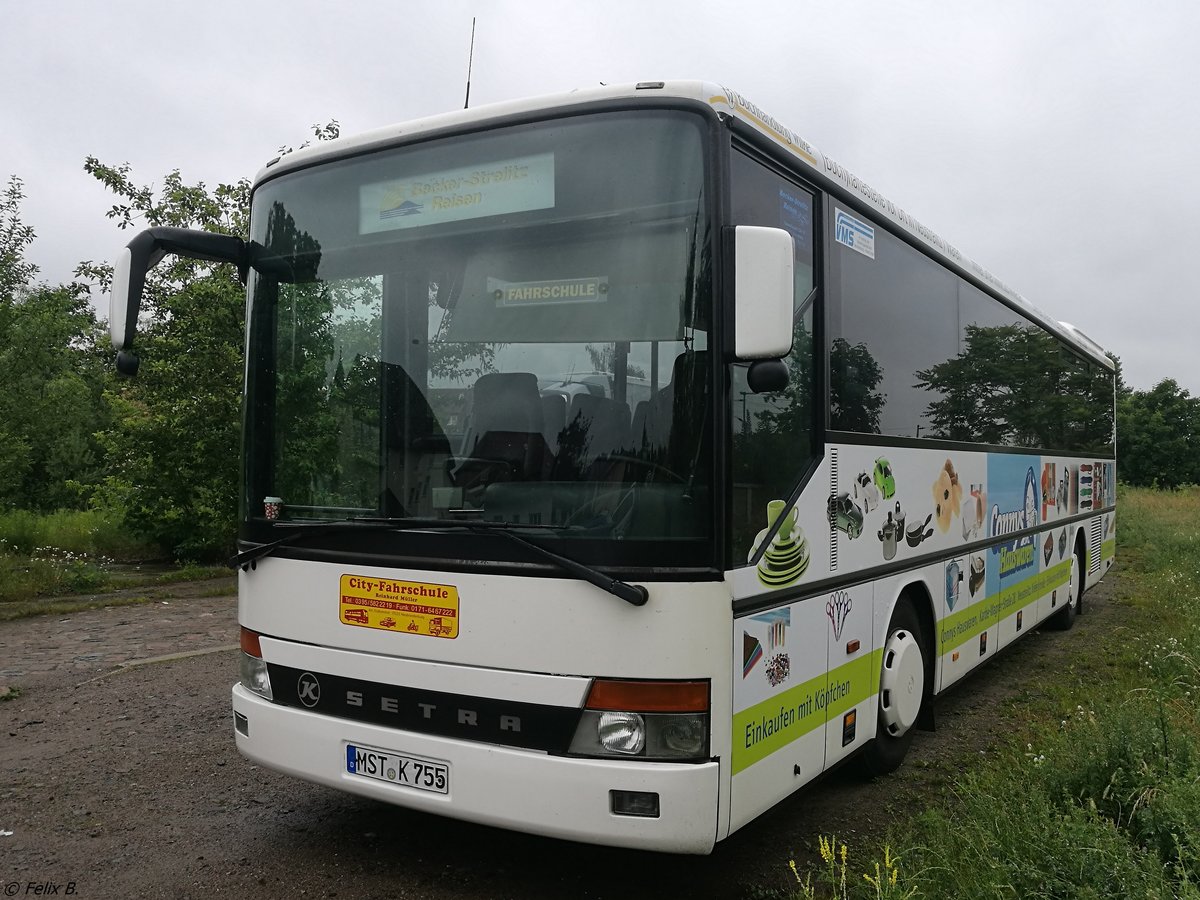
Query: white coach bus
[(615, 464)]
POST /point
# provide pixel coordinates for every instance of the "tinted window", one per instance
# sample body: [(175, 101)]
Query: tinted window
[(917, 352), (770, 428), (1014, 384), (895, 313)]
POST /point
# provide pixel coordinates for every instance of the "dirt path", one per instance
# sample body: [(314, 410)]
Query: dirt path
[(87, 643), (124, 780)]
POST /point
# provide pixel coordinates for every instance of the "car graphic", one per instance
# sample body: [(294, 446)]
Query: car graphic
[(884, 479), (389, 622), (845, 515), (356, 615)]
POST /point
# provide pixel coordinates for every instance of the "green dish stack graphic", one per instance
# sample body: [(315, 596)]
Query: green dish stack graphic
[(787, 558)]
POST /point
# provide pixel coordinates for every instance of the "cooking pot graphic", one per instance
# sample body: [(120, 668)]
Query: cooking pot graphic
[(889, 534), (918, 531)]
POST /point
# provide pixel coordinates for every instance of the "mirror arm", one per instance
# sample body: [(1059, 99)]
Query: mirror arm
[(145, 251)]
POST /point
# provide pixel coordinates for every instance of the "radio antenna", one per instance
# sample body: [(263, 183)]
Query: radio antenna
[(470, 60)]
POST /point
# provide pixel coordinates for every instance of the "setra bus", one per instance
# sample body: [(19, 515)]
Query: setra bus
[(615, 463)]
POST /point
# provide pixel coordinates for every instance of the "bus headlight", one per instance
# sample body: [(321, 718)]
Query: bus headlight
[(252, 669), (652, 720), (683, 735), (621, 732), (254, 677)]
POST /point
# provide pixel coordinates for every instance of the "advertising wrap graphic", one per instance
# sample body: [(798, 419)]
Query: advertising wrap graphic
[(786, 560), (837, 608)]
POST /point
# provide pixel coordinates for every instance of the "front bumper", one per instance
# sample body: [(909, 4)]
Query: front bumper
[(522, 790)]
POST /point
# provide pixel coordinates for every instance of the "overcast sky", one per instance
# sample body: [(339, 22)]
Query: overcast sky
[(1053, 142)]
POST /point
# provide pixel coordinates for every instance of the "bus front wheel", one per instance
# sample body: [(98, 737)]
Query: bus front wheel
[(902, 691)]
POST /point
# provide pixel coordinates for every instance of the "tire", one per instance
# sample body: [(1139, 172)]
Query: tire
[(1065, 617), (903, 691)]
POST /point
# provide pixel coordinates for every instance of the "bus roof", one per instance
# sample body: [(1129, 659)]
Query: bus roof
[(724, 102)]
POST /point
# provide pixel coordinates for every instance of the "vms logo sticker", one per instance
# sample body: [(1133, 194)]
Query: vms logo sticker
[(854, 233)]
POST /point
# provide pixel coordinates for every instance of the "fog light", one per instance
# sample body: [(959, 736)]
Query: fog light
[(635, 803), (241, 724), (622, 732)]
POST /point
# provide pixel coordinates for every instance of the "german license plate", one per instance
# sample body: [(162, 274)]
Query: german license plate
[(398, 768)]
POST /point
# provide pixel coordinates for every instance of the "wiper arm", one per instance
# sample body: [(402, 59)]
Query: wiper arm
[(634, 594), (304, 530), (247, 558)]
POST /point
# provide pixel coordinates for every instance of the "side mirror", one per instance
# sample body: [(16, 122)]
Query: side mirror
[(763, 292), (141, 255), (765, 376)]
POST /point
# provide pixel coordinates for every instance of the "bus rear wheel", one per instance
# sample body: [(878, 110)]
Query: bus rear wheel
[(1065, 617), (902, 692)]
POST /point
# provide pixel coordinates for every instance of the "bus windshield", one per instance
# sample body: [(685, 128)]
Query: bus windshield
[(510, 326)]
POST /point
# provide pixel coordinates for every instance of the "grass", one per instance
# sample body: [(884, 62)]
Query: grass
[(89, 533), (1097, 794), (44, 558), (192, 572), (49, 572)]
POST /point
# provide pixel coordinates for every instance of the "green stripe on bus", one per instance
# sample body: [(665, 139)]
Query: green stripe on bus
[(773, 724), (1108, 549), (960, 627)]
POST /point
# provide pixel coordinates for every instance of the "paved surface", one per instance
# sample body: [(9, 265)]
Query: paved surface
[(98, 640)]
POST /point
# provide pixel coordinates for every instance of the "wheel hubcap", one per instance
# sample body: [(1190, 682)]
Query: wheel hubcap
[(901, 683)]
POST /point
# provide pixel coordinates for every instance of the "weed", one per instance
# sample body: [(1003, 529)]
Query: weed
[(834, 879)]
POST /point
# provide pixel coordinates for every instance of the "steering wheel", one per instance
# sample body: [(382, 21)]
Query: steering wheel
[(596, 516)]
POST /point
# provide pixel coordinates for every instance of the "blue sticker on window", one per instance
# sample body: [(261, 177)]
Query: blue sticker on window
[(854, 233), (795, 217)]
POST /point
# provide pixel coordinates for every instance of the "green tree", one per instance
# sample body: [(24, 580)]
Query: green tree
[(16, 273), (1158, 436), (49, 409), (15, 276), (173, 444)]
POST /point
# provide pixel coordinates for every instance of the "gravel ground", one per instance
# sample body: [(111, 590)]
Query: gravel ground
[(122, 780)]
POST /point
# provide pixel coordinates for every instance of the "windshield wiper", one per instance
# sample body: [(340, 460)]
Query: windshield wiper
[(633, 594)]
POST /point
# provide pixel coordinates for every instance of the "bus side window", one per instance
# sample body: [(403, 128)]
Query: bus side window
[(772, 433)]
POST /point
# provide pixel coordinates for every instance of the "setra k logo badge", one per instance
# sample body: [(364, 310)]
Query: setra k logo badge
[(308, 689)]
